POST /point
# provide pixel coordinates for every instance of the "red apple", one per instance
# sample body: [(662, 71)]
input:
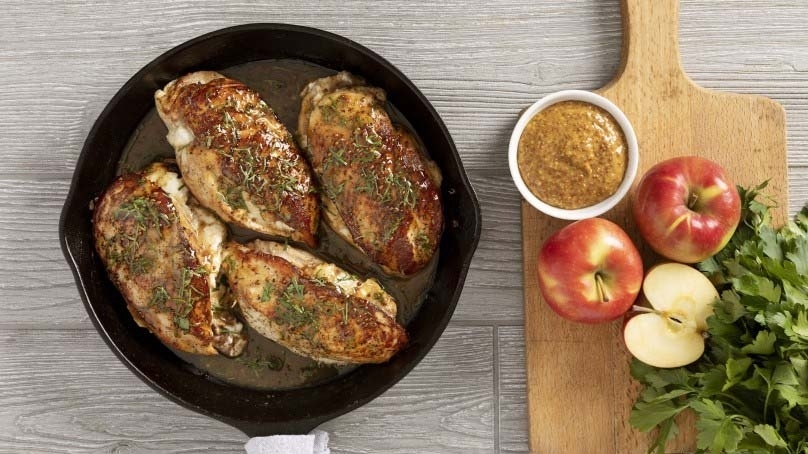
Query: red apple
[(590, 271), (686, 208)]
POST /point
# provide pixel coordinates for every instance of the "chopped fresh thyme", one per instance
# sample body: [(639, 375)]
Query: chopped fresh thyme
[(268, 291), (143, 211), (345, 277), (291, 310), (229, 264), (366, 155), (126, 246), (264, 178), (403, 187), (319, 281), (182, 323), (285, 182), (259, 363), (159, 297), (230, 124), (369, 182), (391, 229), (335, 156), (332, 191), (181, 302), (367, 138), (392, 186), (423, 242), (233, 195), (331, 112), (141, 264), (310, 371), (378, 297)]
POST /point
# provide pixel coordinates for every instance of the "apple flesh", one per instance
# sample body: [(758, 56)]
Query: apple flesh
[(671, 334), (590, 271), (686, 208)]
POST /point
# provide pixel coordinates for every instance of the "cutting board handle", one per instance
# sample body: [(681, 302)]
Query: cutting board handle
[(650, 42)]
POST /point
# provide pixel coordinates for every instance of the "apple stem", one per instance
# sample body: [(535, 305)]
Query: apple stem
[(642, 308), (604, 296), (692, 200)]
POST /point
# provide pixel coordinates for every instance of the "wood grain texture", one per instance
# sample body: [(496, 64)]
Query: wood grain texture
[(478, 62), (445, 406), (81, 399), (512, 393), (480, 65), (671, 116)]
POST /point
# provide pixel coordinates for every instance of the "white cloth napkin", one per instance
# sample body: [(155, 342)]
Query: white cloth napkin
[(314, 443)]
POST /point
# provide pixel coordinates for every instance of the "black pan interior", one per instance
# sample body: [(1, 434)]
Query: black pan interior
[(262, 412)]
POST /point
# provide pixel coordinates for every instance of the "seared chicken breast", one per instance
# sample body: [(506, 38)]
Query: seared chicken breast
[(163, 252), (311, 307), (379, 190), (237, 158)]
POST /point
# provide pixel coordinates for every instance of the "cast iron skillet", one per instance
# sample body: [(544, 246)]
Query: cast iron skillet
[(262, 412)]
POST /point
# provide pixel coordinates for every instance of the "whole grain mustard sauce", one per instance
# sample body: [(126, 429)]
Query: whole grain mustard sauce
[(572, 154)]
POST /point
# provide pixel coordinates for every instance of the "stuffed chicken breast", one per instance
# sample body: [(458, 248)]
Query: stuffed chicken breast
[(379, 190), (163, 252), (237, 158), (311, 307)]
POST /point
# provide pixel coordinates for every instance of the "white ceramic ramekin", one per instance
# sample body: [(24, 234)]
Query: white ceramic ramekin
[(631, 168)]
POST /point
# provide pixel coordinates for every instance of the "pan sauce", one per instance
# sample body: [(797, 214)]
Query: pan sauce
[(572, 155), (265, 364)]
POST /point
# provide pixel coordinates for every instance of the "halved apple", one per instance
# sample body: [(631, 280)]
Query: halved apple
[(671, 334)]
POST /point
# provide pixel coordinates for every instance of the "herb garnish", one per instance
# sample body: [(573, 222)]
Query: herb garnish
[(332, 191), (347, 307), (335, 156), (182, 302), (390, 229), (330, 112), (143, 211), (319, 281), (750, 388), (369, 182), (230, 124), (255, 174), (311, 370), (423, 242), (126, 246), (406, 194), (266, 293), (260, 363), (291, 311)]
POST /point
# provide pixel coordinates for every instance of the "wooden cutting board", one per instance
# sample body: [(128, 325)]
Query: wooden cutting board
[(579, 388)]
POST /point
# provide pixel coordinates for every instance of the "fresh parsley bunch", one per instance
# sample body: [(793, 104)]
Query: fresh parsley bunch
[(750, 389)]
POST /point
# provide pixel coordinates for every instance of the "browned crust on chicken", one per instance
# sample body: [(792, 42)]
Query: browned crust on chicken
[(157, 259), (380, 191), (237, 158), (310, 314)]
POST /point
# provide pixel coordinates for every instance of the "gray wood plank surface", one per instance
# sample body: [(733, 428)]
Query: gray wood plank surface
[(80, 398), (479, 63), (512, 395)]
